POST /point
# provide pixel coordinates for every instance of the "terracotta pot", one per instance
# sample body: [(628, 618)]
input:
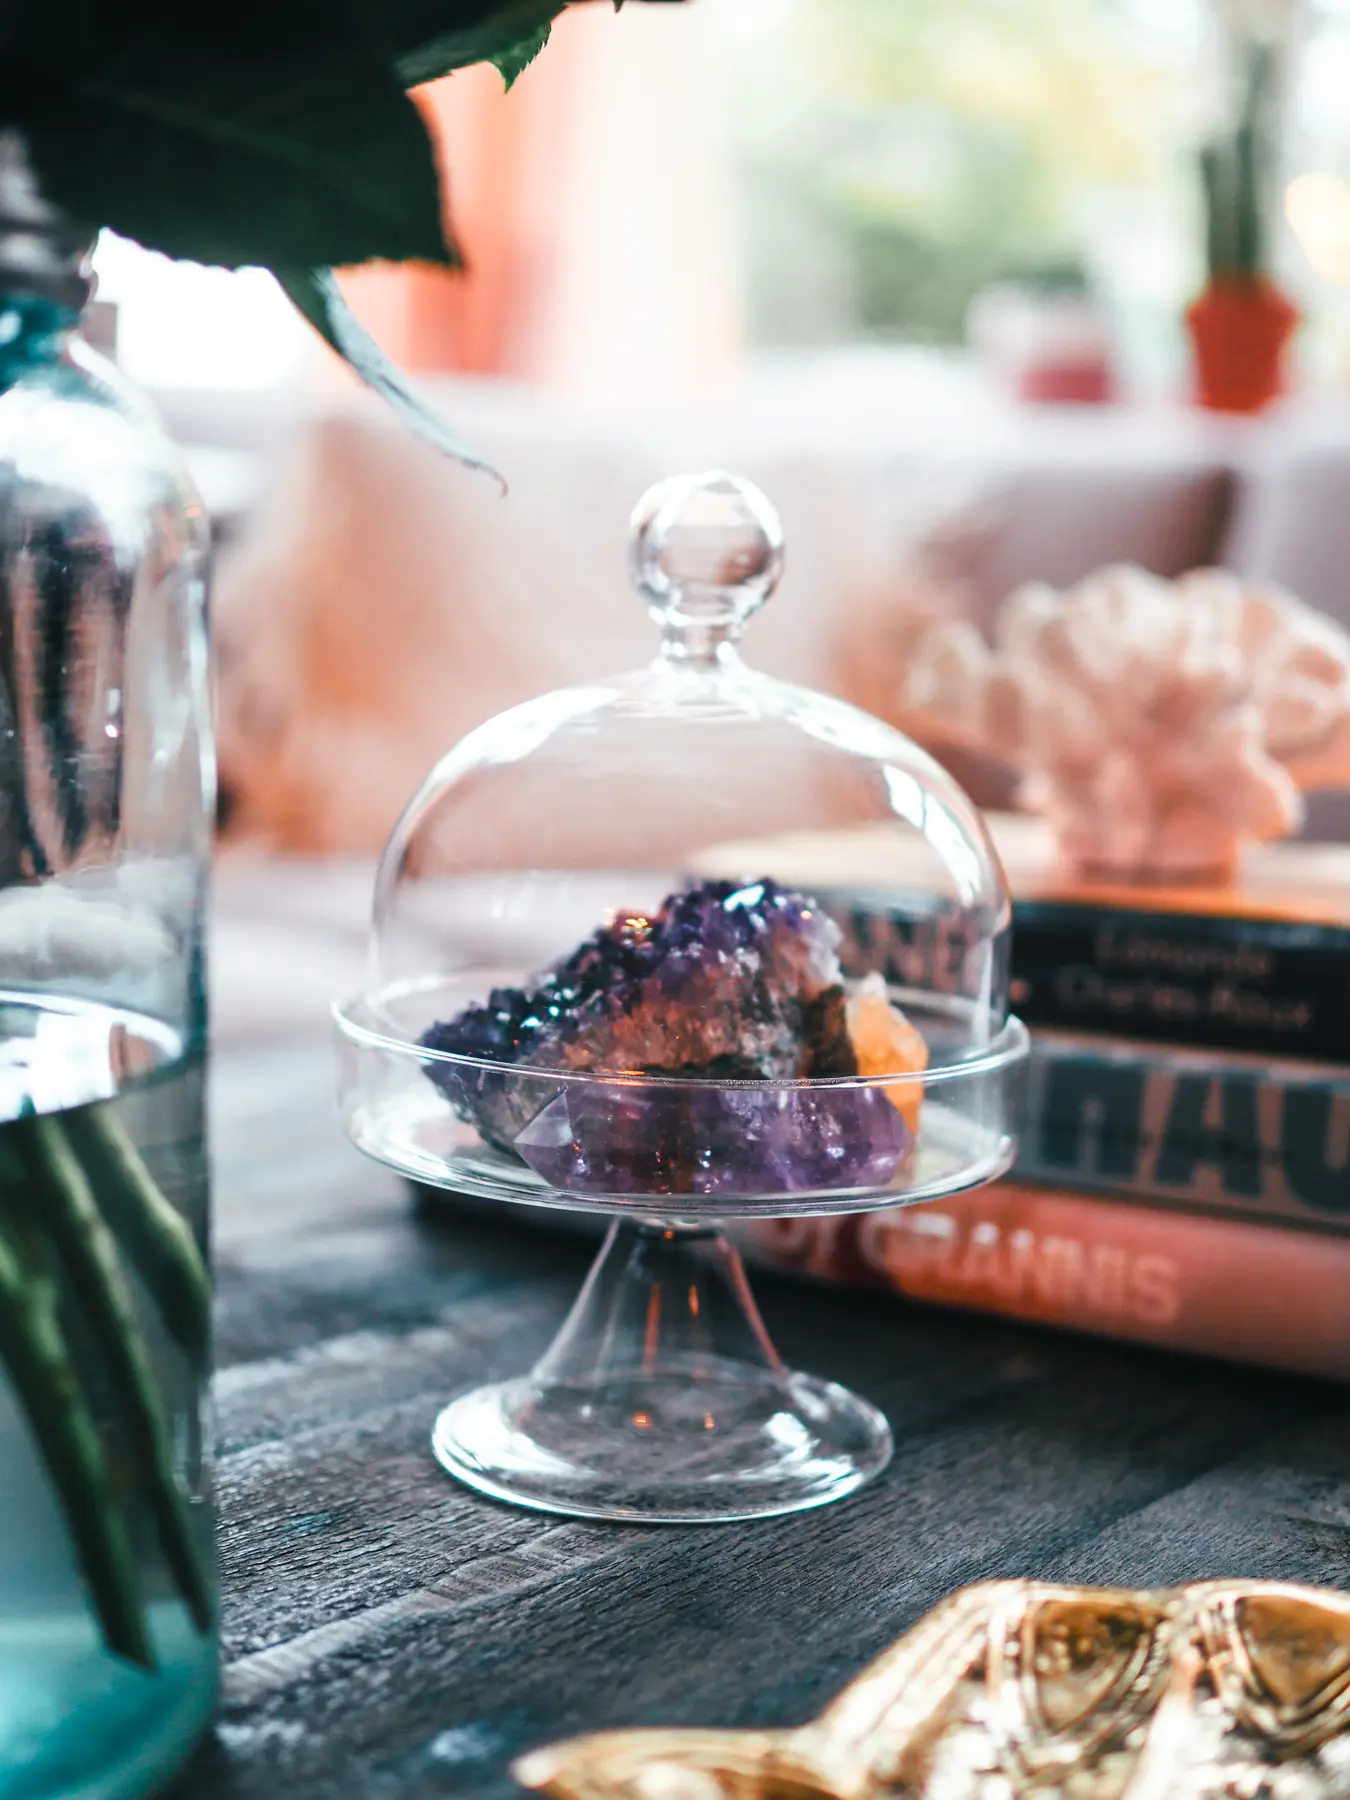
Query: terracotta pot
[(1239, 327)]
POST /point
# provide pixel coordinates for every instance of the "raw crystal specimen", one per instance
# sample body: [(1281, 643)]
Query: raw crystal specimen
[(693, 1138), (724, 984), (885, 1043)]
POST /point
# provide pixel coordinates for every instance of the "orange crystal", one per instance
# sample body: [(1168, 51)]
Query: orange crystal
[(885, 1043)]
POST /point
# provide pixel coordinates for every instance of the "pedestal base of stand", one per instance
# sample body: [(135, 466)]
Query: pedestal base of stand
[(662, 1401), (674, 1450)]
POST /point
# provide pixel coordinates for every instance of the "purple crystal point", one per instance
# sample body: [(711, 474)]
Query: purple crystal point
[(725, 983), (736, 1142)]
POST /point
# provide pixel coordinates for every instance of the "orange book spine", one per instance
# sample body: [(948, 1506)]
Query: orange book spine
[(1217, 1286)]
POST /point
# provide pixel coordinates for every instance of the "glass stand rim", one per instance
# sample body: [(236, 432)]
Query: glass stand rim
[(663, 1401)]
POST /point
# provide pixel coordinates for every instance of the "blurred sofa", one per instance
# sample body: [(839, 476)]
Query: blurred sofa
[(376, 602)]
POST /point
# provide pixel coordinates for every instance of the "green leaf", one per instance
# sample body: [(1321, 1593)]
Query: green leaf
[(250, 131), (315, 292), (512, 62), (238, 140), (429, 42)]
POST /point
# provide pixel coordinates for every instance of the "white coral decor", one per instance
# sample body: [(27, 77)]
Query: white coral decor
[(1158, 724)]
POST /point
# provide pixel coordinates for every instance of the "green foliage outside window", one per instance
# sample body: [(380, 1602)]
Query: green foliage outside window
[(900, 156)]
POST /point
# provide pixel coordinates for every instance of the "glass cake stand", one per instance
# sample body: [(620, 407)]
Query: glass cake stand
[(683, 947)]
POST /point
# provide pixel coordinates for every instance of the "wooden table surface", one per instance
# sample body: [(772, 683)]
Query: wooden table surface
[(388, 1632)]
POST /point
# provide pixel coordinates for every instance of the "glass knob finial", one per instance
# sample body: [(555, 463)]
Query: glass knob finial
[(706, 552)]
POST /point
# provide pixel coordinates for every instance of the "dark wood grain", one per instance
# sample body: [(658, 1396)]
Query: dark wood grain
[(388, 1632)]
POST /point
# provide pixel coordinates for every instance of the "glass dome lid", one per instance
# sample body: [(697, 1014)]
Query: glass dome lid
[(705, 882), (683, 945)]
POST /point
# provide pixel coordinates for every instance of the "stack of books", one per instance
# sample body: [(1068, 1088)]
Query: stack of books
[(1184, 1171)]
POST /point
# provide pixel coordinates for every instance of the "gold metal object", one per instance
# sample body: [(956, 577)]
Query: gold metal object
[(1223, 1690)]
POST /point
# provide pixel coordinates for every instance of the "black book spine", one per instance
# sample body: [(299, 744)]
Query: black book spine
[(1246, 985), (1224, 1134)]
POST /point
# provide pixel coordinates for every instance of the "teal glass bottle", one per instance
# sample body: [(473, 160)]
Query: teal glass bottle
[(108, 1609)]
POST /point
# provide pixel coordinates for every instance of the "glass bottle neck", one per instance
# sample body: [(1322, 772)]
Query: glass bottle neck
[(45, 278), (32, 329)]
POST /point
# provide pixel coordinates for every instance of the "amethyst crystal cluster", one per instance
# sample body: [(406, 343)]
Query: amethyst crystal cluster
[(725, 984)]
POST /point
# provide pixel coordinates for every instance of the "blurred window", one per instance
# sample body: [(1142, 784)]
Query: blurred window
[(183, 326), (882, 162), (896, 158)]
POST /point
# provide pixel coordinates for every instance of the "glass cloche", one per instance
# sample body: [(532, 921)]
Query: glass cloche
[(683, 946)]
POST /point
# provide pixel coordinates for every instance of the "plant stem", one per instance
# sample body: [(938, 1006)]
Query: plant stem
[(70, 1212), (157, 1239), (1235, 171), (1216, 174), (35, 1354)]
